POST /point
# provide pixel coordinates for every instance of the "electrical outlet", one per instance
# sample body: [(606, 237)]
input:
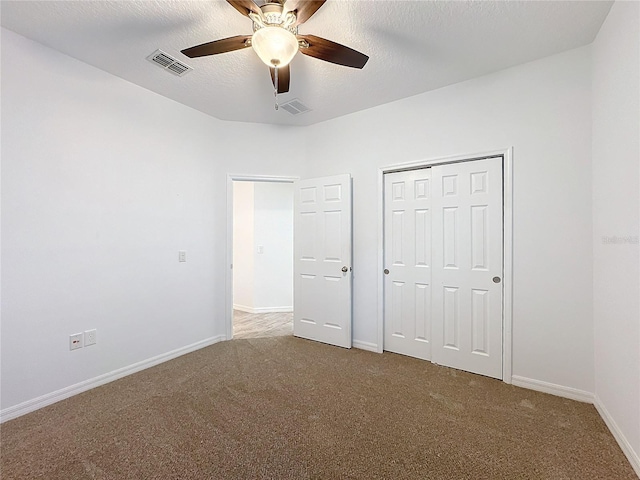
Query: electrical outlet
[(182, 256), (75, 341), (90, 337)]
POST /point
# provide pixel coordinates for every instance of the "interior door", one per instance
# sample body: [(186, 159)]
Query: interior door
[(322, 260), (467, 266), (407, 252)]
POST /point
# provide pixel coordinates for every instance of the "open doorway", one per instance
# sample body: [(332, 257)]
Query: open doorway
[(262, 253)]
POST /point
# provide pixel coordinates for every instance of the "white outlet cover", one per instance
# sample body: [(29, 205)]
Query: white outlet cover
[(75, 341), (90, 337)]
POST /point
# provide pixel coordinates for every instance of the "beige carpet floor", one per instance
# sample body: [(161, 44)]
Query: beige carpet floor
[(286, 408)]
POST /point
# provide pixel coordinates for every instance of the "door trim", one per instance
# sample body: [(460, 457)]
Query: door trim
[(507, 299), (228, 303)]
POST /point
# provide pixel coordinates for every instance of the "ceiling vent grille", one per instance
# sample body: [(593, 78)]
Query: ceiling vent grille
[(295, 107), (169, 63)]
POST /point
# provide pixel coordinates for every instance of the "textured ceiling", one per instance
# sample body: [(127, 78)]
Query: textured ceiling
[(415, 46)]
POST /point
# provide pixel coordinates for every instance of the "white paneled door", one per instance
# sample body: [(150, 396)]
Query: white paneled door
[(467, 266), (322, 260), (452, 307), (407, 251)]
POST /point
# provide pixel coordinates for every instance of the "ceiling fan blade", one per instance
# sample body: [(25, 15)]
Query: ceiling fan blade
[(217, 46), (332, 52), (304, 8), (245, 6), (284, 77)]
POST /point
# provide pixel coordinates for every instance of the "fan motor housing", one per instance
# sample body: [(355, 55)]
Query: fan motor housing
[(272, 16)]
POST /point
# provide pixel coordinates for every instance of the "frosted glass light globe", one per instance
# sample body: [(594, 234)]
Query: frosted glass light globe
[(275, 46)]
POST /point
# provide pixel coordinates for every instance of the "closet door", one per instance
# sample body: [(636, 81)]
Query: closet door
[(407, 258), (467, 266)]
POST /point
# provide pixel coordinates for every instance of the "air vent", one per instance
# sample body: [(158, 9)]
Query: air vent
[(178, 68), (295, 107), (169, 63)]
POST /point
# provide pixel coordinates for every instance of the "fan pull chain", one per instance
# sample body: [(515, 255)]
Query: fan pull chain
[(275, 93)]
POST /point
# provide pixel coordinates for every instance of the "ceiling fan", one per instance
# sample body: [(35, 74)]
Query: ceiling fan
[(276, 39)]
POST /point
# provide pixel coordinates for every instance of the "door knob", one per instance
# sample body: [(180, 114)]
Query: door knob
[(386, 271), (345, 269), (496, 279)]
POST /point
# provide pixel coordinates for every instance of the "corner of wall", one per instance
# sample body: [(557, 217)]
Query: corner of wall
[(616, 224)]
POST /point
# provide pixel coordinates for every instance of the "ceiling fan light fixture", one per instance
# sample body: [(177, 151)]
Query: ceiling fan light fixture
[(275, 46)]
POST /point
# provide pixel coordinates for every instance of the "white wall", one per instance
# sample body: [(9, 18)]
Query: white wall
[(102, 183), (263, 217), (243, 241), (616, 213), (273, 288), (542, 109)]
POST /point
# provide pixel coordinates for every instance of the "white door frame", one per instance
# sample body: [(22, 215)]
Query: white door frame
[(228, 309), (507, 299)]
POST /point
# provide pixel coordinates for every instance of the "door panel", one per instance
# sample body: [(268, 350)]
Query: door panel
[(442, 248), (467, 254), (407, 303), (322, 247)]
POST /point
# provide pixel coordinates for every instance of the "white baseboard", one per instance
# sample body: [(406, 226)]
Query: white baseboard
[(552, 388), (246, 309), (587, 397), (627, 449), (273, 309), (53, 397), (243, 308), (371, 347)]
